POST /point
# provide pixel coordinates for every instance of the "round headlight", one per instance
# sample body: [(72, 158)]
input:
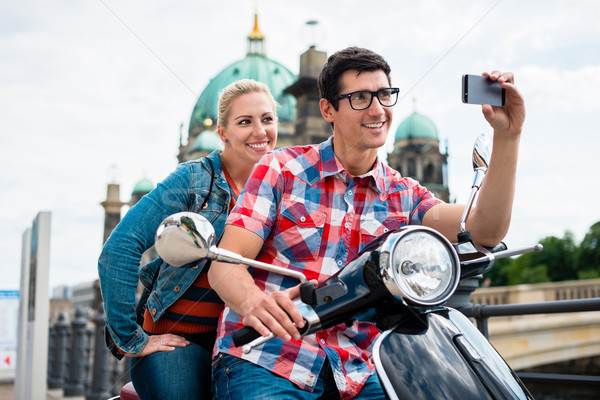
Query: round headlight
[(423, 266)]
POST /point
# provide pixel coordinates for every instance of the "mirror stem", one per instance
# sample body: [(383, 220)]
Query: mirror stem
[(227, 256), (479, 175)]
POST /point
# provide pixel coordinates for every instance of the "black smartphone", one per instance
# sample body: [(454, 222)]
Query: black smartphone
[(477, 89)]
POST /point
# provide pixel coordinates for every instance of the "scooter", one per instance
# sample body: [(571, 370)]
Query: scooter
[(400, 282)]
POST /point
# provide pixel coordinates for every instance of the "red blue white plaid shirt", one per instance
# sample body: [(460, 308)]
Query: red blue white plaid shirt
[(314, 217)]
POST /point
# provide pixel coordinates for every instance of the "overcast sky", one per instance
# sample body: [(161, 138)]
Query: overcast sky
[(93, 92)]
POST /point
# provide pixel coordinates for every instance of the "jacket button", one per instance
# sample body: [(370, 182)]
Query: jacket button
[(154, 311), (177, 289), (195, 267)]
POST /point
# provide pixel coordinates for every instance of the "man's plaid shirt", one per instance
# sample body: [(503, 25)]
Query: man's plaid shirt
[(314, 217)]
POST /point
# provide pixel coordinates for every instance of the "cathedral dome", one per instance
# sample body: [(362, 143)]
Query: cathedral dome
[(416, 126), (256, 65), (143, 187), (207, 141)]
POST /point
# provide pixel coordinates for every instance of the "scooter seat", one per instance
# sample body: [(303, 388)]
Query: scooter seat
[(128, 392)]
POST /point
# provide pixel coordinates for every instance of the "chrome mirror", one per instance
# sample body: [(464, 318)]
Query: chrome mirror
[(183, 238), (482, 152), (187, 237)]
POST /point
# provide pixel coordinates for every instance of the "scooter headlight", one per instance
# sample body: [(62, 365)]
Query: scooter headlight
[(420, 266)]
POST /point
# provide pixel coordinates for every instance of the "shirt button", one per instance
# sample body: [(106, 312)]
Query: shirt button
[(350, 192), (339, 262), (177, 289), (346, 225), (322, 341), (302, 219), (385, 229)]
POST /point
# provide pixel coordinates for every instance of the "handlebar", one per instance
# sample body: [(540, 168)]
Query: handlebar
[(244, 335), (250, 338)]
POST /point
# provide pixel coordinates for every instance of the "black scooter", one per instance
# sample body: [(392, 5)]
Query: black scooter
[(399, 282)]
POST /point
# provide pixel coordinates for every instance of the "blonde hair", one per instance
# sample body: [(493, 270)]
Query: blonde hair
[(236, 89)]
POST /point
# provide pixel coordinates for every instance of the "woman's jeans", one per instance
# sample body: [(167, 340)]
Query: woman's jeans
[(181, 374), (235, 379)]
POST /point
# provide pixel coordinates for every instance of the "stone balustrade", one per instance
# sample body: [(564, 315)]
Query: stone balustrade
[(538, 292)]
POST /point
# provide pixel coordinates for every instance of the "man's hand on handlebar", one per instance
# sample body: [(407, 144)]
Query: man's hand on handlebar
[(277, 313)]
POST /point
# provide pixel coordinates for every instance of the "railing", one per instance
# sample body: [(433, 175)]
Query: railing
[(79, 363), (482, 312), (538, 292)]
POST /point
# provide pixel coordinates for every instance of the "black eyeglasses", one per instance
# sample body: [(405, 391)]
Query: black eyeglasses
[(362, 99)]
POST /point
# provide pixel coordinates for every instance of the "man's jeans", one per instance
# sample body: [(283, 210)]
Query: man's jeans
[(235, 379)]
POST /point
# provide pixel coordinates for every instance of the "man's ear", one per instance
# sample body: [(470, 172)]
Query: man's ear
[(327, 110)]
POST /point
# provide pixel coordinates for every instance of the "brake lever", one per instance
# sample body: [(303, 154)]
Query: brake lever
[(257, 342), (312, 324)]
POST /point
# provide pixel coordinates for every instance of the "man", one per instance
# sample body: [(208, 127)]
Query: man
[(312, 209)]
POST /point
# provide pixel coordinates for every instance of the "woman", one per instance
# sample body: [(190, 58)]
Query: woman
[(171, 350)]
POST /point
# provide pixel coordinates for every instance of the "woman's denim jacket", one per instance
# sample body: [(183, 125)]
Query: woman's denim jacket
[(119, 264)]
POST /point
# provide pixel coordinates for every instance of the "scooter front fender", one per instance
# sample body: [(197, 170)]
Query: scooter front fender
[(441, 355)]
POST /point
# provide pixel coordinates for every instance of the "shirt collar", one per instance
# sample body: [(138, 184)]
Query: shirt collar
[(330, 165)]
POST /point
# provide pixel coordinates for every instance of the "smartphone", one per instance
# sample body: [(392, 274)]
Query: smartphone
[(477, 89)]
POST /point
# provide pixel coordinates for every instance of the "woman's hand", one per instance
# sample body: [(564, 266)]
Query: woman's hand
[(156, 343)]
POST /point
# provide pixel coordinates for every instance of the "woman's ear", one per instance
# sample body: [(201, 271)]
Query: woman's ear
[(221, 132)]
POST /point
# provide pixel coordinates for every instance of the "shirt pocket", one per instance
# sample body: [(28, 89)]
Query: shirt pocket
[(372, 228), (300, 232)]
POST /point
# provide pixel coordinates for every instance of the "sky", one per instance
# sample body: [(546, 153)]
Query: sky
[(95, 92)]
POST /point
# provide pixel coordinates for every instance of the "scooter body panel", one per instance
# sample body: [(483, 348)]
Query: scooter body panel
[(441, 355)]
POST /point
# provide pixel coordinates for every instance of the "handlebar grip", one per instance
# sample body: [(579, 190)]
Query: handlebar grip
[(244, 335), (500, 247)]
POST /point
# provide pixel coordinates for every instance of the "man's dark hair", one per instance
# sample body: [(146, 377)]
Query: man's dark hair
[(351, 58)]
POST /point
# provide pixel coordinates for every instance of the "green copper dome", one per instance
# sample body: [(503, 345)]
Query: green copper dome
[(207, 141), (256, 65), (144, 186), (416, 126)]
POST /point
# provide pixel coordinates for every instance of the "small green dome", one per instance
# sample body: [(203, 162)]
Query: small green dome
[(416, 126), (207, 141), (144, 186)]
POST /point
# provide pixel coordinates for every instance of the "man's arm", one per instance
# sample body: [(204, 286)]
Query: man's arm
[(264, 312), (489, 220)]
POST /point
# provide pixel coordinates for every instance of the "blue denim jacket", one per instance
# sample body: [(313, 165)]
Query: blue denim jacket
[(119, 264)]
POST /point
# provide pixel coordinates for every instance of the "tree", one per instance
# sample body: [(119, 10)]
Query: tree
[(558, 256), (588, 254), (554, 264), (561, 260)]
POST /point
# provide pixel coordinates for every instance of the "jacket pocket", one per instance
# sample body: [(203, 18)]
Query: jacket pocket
[(300, 232)]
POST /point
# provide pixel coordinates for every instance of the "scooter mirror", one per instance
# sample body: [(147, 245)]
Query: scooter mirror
[(482, 151), (184, 238)]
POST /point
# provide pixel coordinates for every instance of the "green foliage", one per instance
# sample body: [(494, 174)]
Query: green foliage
[(499, 273), (535, 274), (588, 254), (561, 260)]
